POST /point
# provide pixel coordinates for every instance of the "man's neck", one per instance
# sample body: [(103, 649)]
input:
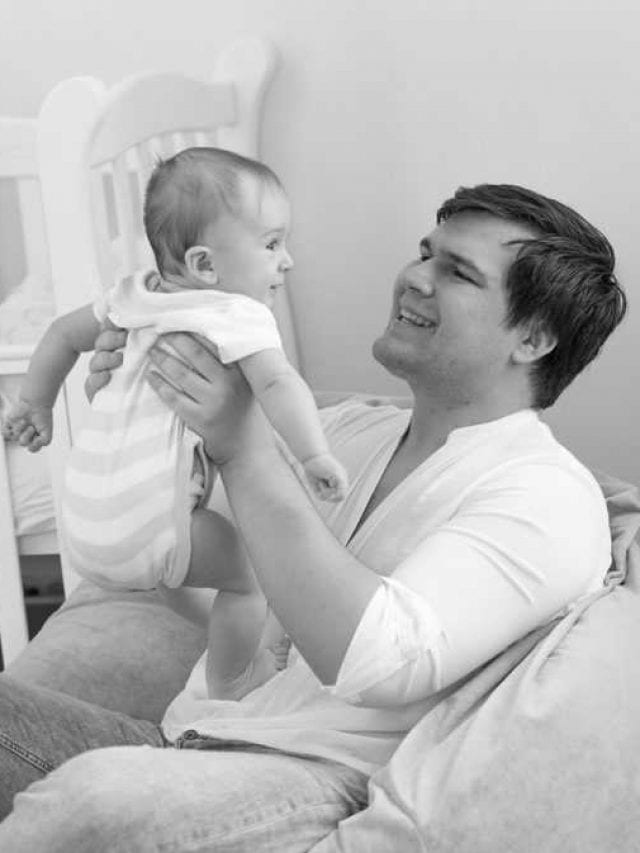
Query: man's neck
[(432, 422), (428, 430)]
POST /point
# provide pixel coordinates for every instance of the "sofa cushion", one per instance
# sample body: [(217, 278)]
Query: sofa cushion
[(127, 651), (538, 751)]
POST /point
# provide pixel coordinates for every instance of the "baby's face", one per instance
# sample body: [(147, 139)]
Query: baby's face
[(249, 252)]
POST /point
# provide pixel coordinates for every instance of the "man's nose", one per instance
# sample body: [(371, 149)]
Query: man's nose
[(420, 279)]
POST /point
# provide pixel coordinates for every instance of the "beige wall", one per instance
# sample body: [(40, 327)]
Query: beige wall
[(379, 111)]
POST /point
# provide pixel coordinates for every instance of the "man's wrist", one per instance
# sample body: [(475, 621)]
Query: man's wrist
[(249, 461), (252, 437)]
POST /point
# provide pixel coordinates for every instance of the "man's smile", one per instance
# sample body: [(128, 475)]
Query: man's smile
[(405, 315)]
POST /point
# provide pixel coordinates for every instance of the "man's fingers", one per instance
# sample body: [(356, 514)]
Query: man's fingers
[(177, 374), (110, 340), (111, 337), (105, 360), (94, 382), (175, 398), (192, 350)]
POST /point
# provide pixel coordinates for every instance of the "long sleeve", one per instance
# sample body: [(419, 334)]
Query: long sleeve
[(518, 552)]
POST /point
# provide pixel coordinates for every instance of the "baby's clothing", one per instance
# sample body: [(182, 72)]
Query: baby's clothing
[(130, 487)]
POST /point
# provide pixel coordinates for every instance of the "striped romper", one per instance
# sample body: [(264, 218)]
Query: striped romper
[(132, 480)]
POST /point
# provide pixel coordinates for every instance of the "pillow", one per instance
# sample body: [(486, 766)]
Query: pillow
[(127, 651), (537, 751)]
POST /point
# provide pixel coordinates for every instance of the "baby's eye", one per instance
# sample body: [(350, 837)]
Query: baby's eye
[(272, 245)]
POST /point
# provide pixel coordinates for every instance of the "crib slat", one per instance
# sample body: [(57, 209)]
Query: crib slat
[(202, 139), (103, 230), (148, 154), (33, 230), (124, 209), (17, 147), (13, 618)]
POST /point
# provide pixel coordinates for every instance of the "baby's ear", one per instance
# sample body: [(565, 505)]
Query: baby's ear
[(199, 263)]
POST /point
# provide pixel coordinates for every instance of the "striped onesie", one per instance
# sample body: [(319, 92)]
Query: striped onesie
[(130, 486)]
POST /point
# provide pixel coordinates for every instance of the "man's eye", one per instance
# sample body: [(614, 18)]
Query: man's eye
[(459, 274)]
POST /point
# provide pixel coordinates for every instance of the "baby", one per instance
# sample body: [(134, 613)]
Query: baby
[(137, 483)]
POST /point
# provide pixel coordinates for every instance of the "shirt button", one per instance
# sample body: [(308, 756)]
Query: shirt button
[(190, 734)]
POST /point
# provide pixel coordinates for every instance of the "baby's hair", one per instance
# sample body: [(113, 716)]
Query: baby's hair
[(188, 192)]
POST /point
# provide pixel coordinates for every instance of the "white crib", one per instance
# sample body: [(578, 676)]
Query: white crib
[(80, 169), (27, 524)]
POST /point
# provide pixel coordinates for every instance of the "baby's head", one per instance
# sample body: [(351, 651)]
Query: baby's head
[(218, 221)]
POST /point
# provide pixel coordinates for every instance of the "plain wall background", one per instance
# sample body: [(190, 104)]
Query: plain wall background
[(378, 112)]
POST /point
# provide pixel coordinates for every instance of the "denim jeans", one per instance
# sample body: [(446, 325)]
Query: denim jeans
[(88, 779)]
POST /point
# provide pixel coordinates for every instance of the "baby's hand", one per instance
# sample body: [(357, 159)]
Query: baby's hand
[(327, 477), (29, 424)]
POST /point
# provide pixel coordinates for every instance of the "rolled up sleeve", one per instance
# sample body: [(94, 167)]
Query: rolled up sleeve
[(518, 553), (395, 654)]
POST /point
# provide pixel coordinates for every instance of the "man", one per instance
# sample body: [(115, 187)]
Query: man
[(466, 526)]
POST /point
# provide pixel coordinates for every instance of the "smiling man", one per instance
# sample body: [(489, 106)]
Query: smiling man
[(466, 525)]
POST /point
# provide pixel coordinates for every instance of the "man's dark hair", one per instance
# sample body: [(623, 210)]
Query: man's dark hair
[(561, 281)]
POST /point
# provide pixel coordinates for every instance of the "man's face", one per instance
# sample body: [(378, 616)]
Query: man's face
[(447, 333), (249, 251)]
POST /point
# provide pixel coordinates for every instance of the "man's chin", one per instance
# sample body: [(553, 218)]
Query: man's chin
[(386, 355), (378, 349)]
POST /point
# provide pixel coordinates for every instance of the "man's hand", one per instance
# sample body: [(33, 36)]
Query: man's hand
[(214, 400), (107, 357)]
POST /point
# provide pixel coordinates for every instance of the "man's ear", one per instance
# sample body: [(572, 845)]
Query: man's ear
[(199, 263), (535, 342)]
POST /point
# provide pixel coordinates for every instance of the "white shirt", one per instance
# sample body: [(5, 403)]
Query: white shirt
[(494, 534)]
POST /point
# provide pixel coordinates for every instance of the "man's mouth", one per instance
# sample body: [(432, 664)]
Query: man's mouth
[(413, 319)]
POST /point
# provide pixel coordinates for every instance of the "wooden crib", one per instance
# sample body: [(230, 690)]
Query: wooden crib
[(80, 170)]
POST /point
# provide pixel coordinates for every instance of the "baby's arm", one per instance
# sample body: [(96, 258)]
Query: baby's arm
[(30, 421), (291, 409)]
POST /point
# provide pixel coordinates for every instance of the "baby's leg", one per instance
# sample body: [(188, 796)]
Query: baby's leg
[(237, 660), (239, 653), (218, 559)]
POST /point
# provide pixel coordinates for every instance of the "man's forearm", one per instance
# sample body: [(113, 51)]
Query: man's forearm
[(316, 588)]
